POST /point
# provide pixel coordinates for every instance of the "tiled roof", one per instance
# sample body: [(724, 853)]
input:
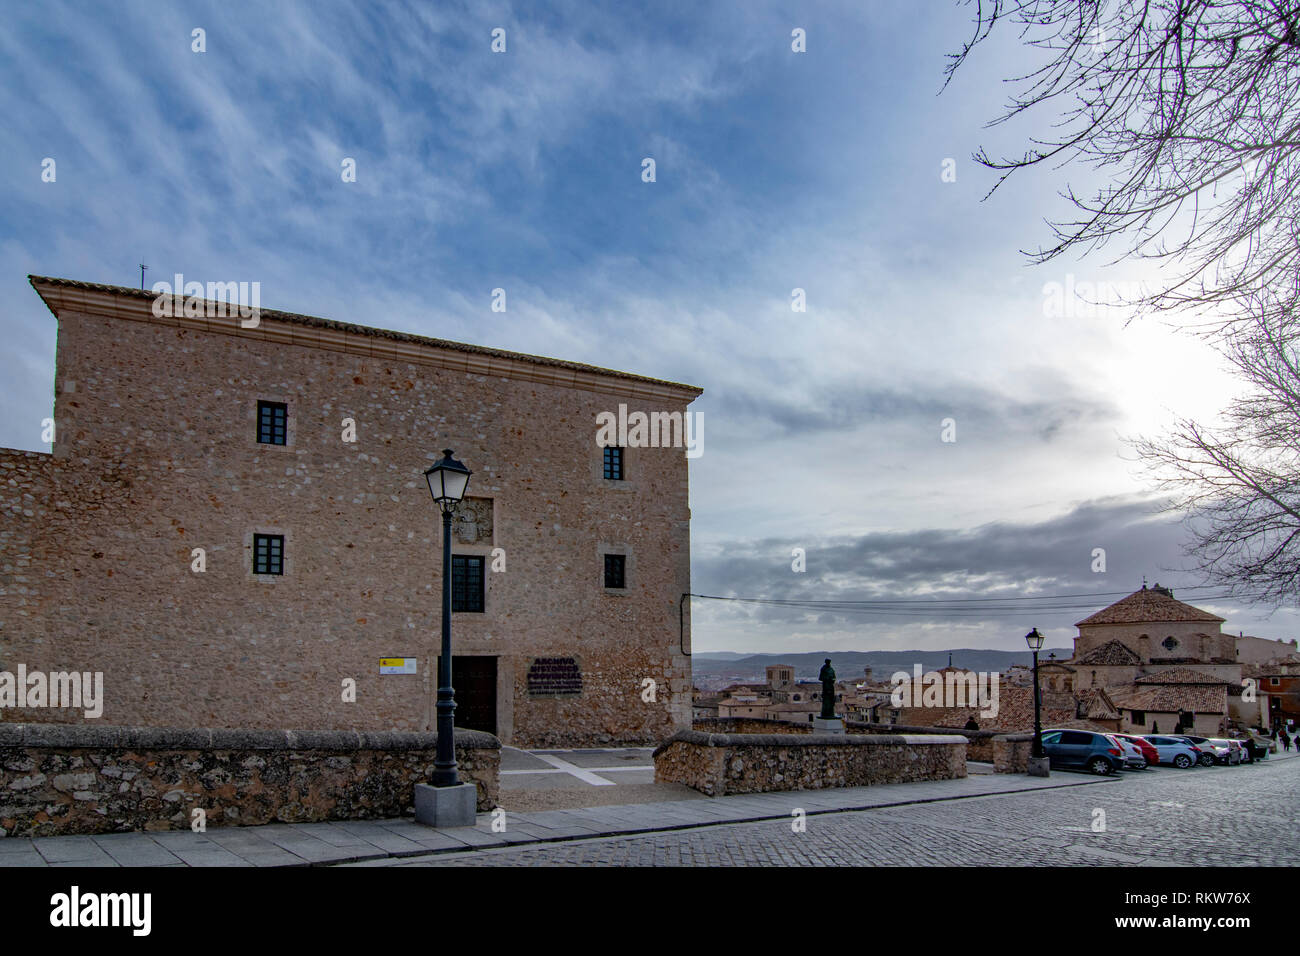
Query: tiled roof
[(1095, 704), (1171, 698), (1179, 676), (1110, 654), (297, 318), (1149, 605)]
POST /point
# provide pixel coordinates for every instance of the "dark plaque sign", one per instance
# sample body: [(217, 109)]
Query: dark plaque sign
[(554, 677)]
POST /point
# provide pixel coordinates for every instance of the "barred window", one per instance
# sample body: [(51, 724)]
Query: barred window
[(467, 583), (268, 554), (613, 463), (272, 423), (615, 571)]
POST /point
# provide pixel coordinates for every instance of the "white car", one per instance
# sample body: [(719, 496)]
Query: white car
[(1134, 759), (1226, 751), (1174, 750)]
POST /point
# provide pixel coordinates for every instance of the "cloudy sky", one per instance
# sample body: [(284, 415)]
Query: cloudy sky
[(775, 171)]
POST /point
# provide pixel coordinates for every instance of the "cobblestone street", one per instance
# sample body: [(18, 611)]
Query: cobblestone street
[(1221, 816)]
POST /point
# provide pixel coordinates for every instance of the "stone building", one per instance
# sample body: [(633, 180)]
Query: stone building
[(1163, 663), (1258, 650), (205, 534), (1151, 630)]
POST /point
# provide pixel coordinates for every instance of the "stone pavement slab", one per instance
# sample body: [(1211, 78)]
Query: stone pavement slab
[(378, 842)]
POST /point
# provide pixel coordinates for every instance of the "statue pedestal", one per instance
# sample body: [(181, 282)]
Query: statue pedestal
[(824, 725)]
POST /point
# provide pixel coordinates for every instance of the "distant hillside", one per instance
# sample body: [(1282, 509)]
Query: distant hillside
[(850, 664)]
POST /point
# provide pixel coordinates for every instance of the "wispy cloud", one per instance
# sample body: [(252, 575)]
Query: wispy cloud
[(522, 171)]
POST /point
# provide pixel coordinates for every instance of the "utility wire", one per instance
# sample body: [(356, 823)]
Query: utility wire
[(957, 606)]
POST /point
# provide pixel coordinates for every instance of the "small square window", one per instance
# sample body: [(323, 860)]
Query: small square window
[(272, 423), (615, 570), (467, 583), (268, 554), (613, 463)]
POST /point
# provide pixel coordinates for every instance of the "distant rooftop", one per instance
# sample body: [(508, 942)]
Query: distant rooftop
[(1155, 605)]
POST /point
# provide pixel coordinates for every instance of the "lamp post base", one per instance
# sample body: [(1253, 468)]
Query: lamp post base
[(445, 806), (828, 725), (1040, 767)]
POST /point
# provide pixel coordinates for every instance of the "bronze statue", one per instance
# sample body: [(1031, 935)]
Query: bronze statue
[(827, 677)]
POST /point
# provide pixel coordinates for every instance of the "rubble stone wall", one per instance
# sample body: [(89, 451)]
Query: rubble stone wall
[(60, 779), (1011, 753), (748, 725), (979, 743), (718, 764)]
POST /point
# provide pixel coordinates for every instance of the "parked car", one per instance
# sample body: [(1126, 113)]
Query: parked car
[(1178, 751), (1225, 751), (1148, 751), (1134, 759), (1083, 749), (1257, 746), (1207, 758)]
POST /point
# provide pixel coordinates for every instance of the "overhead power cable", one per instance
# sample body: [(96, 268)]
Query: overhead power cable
[(961, 606)]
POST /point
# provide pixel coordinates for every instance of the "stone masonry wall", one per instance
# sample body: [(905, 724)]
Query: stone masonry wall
[(979, 743), (748, 725), (1011, 753), (59, 779), (719, 764), (156, 455)]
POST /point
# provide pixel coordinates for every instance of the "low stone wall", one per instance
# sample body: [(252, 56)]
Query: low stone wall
[(979, 743), (60, 778), (718, 764), (1011, 753), (748, 725)]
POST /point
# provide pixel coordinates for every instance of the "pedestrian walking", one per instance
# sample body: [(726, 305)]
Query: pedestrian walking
[(1286, 740)]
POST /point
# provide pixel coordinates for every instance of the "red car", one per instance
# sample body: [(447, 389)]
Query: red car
[(1148, 751)]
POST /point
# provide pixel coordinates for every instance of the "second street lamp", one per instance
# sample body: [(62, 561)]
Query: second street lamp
[(448, 479), (1035, 642)]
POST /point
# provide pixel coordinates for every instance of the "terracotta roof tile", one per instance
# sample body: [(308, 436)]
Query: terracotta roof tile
[(1149, 605), (1110, 654), (1171, 698), (1095, 704), (1179, 676)]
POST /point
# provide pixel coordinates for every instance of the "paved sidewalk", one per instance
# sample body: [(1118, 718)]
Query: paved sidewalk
[(372, 842)]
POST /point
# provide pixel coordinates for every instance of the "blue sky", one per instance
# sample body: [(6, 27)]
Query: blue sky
[(522, 170)]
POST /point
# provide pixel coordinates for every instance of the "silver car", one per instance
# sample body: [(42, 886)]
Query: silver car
[(1230, 752), (1174, 750), (1134, 759)]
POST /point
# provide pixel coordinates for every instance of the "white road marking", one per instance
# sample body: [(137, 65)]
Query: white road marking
[(588, 769), (586, 776)]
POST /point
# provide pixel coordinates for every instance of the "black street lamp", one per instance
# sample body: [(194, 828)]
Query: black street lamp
[(1035, 642), (448, 480)]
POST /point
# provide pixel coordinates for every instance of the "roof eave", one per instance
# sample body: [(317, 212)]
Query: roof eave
[(291, 328)]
